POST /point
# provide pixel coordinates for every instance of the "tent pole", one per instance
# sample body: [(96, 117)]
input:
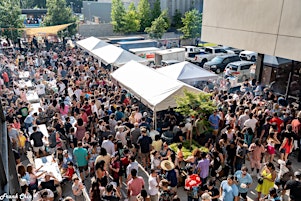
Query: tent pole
[(155, 119)]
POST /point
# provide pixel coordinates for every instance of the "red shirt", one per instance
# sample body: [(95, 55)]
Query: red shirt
[(84, 117), (5, 77), (278, 121), (70, 172), (88, 109), (135, 185)]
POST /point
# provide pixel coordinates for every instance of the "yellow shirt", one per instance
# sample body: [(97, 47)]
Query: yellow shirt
[(22, 140)]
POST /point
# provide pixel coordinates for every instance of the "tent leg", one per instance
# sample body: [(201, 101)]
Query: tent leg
[(155, 120)]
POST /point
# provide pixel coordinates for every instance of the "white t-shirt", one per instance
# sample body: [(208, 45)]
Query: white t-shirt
[(40, 89), (251, 123), (153, 183)]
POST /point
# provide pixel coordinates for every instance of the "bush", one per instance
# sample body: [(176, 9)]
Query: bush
[(186, 148)]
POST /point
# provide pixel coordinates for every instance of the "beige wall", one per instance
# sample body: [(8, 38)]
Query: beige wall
[(266, 26)]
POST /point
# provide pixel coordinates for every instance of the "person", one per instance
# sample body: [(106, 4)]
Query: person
[(228, 190), (203, 167), (170, 173), (45, 195), (33, 184), (52, 184), (244, 181), (111, 194), (135, 185), (77, 189), (38, 145), (285, 174), (95, 194), (206, 197), (145, 142), (294, 185), (192, 191), (132, 165), (287, 144), (272, 196), (109, 145), (271, 142), (268, 175), (256, 150), (166, 193), (214, 122), (153, 185), (115, 168), (211, 189), (81, 157), (67, 176)]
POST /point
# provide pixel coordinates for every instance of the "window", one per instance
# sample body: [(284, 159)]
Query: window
[(226, 61), (208, 50), (245, 67), (234, 58), (218, 51)]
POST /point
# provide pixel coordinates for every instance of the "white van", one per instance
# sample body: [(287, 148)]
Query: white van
[(241, 69)]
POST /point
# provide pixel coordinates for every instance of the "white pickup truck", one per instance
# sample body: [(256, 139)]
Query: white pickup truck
[(208, 54)]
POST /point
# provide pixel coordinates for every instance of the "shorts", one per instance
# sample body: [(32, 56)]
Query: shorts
[(83, 168), (255, 164), (271, 150), (283, 150), (116, 181), (37, 149), (243, 195), (145, 155)]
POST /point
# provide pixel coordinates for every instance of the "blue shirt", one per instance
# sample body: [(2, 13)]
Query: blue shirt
[(214, 120), (80, 155), (229, 192), (243, 180)]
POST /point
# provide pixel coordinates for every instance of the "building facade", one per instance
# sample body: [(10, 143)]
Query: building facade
[(269, 27)]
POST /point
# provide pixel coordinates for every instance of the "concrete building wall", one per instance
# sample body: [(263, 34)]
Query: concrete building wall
[(102, 10), (181, 5), (270, 27), (96, 30)]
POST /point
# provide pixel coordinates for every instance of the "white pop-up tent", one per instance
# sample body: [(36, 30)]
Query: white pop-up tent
[(91, 43), (187, 72), (153, 89), (110, 54)]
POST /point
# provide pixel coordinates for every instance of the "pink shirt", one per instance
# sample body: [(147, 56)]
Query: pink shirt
[(135, 186)]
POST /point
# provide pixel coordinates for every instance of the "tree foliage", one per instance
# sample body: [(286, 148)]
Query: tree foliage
[(156, 11), (192, 104), (33, 3), (192, 24), (131, 21), (159, 26), (10, 18), (117, 15), (177, 19), (58, 13), (144, 13)]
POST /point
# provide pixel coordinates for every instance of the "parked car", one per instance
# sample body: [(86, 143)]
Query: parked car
[(232, 50), (208, 54), (219, 63), (240, 69), (248, 55)]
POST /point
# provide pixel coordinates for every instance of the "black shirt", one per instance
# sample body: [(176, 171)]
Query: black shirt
[(37, 138), (295, 189), (110, 198), (48, 185), (213, 192)]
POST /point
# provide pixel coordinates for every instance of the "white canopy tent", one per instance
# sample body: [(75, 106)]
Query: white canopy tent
[(91, 43), (110, 54), (153, 89), (187, 72)]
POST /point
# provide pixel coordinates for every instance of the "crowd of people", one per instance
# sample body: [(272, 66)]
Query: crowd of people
[(99, 129)]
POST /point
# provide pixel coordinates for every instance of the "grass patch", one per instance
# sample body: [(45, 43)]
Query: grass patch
[(207, 45)]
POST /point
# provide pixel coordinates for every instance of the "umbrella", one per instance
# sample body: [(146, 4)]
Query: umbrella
[(192, 181)]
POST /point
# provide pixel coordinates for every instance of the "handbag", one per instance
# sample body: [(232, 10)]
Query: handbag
[(260, 180)]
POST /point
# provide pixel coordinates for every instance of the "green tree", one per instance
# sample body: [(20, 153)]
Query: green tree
[(131, 21), (192, 24), (10, 20), (144, 13), (58, 13), (156, 11), (159, 26), (177, 19), (193, 104), (117, 15)]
